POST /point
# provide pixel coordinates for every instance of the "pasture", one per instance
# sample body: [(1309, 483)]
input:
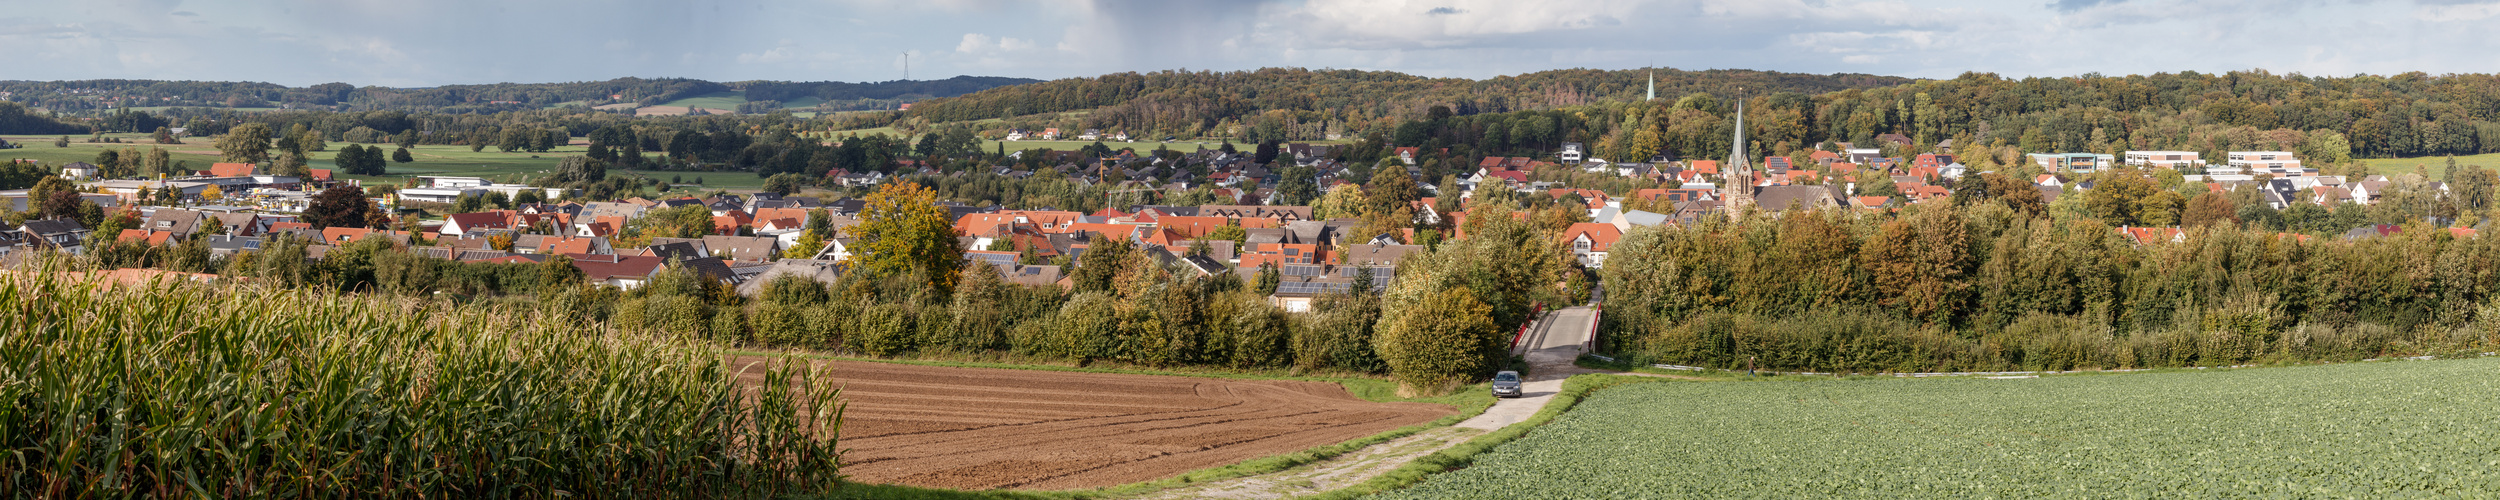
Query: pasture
[(501, 167), (2389, 429), (2436, 166), (716, 100)]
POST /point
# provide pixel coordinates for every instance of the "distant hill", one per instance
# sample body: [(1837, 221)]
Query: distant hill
[(91, 96), (1177, 100)]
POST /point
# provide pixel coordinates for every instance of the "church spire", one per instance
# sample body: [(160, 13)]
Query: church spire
[(1653, 86), (1738, 193)]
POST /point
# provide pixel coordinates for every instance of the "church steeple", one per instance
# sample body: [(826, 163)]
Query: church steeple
[(1738, 191), (1653, 86)]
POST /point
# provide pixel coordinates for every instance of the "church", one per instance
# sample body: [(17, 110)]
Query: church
[(1741, 188)]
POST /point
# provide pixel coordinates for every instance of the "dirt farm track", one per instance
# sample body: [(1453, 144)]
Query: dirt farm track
[(987, 428)]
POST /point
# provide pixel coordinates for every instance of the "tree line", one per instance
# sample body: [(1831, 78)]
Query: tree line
[(1990, 285), (79, 96)]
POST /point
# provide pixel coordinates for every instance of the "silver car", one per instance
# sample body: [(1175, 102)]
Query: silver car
[(1506, 384)]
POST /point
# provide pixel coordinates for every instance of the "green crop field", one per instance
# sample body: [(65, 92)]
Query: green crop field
[(2428, 428), (718, 100)]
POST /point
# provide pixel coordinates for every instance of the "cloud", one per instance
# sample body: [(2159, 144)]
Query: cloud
[(977, 43), (788, 51), (2456, 12), (2075, 5), (385, 42)]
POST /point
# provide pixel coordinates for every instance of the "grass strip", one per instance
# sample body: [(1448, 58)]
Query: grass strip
[(1464, 454)]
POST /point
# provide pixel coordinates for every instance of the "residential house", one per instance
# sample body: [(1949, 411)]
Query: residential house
[(743, 248), (1572, 153), (1784, 198), (2151, 235), (79, 171), (1590, 240), (1932, 160), (475, 223), (625, 272), (820, 271), (62, 234)]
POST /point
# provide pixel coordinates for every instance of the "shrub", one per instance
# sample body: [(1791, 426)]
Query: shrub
[(1448, 339), (882, 330)]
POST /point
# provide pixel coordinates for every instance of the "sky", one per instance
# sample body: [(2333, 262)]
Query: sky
[(403, 43)]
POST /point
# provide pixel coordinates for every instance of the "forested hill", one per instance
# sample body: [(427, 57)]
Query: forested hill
[(1187, 101), (87, 96)]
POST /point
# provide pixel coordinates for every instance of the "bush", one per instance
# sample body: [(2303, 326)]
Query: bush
[(1084, 329), (782, 325), (1258, 336), (882, 330), (1448, 339)]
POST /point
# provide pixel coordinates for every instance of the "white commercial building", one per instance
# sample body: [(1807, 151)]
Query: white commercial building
[(2164, 159)]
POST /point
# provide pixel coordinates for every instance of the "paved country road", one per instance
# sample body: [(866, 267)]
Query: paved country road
[(1551, 344)]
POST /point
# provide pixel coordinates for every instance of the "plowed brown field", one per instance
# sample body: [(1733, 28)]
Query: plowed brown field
[(986, 428)]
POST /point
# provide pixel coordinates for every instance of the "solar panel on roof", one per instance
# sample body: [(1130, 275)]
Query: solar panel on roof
[(1300, 270)]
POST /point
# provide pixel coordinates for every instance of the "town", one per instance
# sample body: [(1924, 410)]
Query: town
[(1248, 250)]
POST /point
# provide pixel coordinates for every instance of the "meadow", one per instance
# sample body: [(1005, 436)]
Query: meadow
[(2385, 429), (2434, 165), (453, 160)]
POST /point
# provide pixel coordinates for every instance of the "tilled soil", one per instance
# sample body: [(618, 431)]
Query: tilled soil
[(987, 428)]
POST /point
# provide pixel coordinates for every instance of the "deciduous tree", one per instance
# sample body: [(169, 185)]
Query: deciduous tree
[(903, 231), (246, 143), (342, 206)]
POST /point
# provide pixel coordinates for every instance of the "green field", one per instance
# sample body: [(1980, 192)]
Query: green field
[(2436, 165), (2426, 428), (501, 167), (717, 100)]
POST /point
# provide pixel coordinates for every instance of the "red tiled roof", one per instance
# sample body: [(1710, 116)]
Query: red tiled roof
[(766, 214), (564, 245), (2143, 235), (230, 169), (1601, 235)]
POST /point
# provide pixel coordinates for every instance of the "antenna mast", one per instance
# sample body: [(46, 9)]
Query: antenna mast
[(906, 66)]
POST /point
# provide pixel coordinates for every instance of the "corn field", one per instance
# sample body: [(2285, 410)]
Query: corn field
[(194, 390)]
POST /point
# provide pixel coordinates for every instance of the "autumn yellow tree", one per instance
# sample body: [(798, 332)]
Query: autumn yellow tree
[(1917, 264), (902, 230)]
